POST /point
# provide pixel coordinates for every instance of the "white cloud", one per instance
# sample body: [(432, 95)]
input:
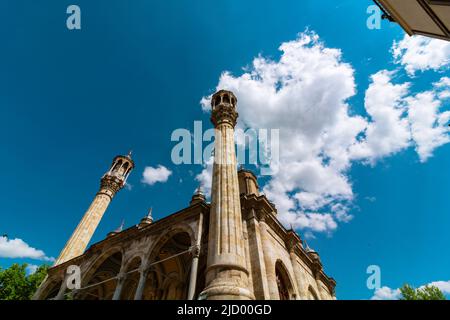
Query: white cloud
[(318, 222), (444, 86), (420, 53), (444, 286), (154, 175), (17, 248), (128, 186), (31, 268), (388, 132), (305, 95), (386, 293), (205, 177), (429, 128)]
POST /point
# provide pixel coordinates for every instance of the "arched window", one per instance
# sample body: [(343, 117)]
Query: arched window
[(132, 280), (117, 165), (52, 291), (217, 102), (285, 288), (103, 274), (172, 272), (312, 295)]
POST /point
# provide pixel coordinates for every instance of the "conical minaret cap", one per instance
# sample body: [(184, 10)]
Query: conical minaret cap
[(198, 196), (148, 219), (118, 230)]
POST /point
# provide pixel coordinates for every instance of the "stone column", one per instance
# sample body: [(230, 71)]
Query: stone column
[(257, 258), (120, 282), (194, 270), (302, 284), (268, 256), (141, 285), (226, 274), (294, 264), (195, 250), (62, 290), (319, 289)]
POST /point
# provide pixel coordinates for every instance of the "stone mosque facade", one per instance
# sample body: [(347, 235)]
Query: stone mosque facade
[(231, 248)]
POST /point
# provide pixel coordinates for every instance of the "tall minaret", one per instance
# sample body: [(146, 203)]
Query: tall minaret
[(227, 273), (111, 182)]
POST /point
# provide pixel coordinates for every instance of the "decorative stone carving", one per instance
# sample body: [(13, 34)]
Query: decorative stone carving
[(110, 185), (195, 251)]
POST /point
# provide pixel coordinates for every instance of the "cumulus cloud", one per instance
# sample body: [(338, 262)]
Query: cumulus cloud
[(31, 268), (388, 131), (400, 119), (17, 248), (444, 286), (205, 177), (429, 127), (386, 293), (305, 95), (444, 88), (420, 53), (152, 175)]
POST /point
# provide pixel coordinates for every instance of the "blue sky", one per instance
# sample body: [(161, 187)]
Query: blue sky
[(72, 100)]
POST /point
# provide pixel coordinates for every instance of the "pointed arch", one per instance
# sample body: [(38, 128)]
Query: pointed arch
[(132, 277), (169, 264), (100, 279), (286, 289), (312, 294)]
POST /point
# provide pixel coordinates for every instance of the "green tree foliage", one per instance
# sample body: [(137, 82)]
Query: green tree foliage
[(15, 284), (426, 293)]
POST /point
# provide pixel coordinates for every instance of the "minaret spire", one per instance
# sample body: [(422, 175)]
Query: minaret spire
[(148, 219), (198, 196), (226, 273), (112, 181), (120, 228), (149, 215)]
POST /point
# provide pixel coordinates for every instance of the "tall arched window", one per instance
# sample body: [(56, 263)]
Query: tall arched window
[(102, 282), (285, 288), (312, 295)]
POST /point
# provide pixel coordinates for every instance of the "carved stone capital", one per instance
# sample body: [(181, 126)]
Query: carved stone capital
[(195, 251), (292, 240), (144, 271), (261, 215), (331, 283), (225, 113), (111, 184), (121, 276), (317, 264)]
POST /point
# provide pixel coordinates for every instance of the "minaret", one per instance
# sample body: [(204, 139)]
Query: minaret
[(226, 273), (111, 182)]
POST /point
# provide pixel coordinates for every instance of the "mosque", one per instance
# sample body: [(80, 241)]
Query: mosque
[(231, 248)]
